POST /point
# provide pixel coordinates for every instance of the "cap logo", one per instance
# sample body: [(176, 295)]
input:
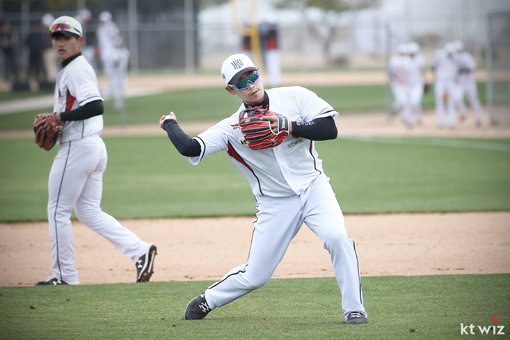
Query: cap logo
[(237, 64)]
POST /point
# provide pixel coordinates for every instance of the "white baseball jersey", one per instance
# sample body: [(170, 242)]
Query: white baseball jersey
[(445, 72), (396, 68), (466, 66), (444, 66), (416, 67), (107, 36), (465, 63), (76, 85), (285, 170)]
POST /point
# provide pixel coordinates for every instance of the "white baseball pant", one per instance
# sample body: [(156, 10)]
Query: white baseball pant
[(75, 182), (278, 221)]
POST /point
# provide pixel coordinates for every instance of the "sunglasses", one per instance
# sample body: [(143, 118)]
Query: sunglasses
[(61, 27), (244, 83)]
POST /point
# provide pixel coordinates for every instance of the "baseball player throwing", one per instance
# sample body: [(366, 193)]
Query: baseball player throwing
[(271, 140), (75, 181)]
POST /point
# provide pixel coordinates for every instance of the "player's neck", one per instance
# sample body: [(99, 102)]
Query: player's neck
[(265, 102), (68, 60)]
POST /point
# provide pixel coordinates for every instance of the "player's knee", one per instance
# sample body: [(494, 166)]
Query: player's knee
[(86, 215), (59, 211), (336, 240), (256, 283), (256, 280)]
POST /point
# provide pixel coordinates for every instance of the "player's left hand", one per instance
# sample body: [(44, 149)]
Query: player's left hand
[(47, 129), (47, 120), (262, 128)]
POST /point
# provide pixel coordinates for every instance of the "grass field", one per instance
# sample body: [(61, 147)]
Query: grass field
[(147, 178), (424, 307), (380, 175)]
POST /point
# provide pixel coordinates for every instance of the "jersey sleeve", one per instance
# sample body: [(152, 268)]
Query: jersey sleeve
[(82, 84), (213, 140), (312, 106)]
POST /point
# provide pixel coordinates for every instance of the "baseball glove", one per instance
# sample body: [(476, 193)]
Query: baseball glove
[(47, 130), (257, 132)]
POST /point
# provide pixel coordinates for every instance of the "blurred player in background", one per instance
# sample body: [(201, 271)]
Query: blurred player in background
[(88, 49), (120, 58), (445, 72), (396, 74), (9, 42), (49, 55), (406, 72), (415, 82), (37, 43), (269, 43), (268, 39), (466, 84), (108, 35)]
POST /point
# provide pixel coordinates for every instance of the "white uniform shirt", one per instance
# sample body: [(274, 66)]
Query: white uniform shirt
[(445, 68), (465, 63), (108, 35), (76, 85), (282, 171), (397, 68), (416, 67)]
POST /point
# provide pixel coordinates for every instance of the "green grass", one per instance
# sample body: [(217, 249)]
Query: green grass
[(146, 177), (425, 307), (215, 104), (5, 96)]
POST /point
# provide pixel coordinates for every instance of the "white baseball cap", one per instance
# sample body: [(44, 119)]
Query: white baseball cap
[(413, 48), (105, 16), (402, 49), (67, 26), (235, 66), (47, 19)]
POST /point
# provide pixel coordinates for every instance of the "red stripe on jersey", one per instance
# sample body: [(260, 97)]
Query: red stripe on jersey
[(233, 153), (69, 101)]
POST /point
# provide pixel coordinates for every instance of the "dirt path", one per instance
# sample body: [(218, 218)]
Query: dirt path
[(205, 249)]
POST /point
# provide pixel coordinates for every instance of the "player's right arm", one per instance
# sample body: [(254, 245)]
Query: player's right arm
[(183, 143)]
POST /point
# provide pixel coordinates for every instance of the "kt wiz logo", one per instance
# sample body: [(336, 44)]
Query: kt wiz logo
[(483, 330)]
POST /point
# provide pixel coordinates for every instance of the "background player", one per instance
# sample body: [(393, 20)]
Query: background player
[(445, 89), (287, 181), (108, 35), (466, 83), (76, 175), (415, 82), (397, 76), (120, 58)]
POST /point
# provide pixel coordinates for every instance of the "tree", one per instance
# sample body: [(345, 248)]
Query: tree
[(326, 27)]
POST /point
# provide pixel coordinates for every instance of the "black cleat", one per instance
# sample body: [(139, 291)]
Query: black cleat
[(52, 282), (197, 308), (356, 318), (145, 264)]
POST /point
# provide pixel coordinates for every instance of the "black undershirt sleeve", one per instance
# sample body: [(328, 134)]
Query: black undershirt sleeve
[(317, 129), (88, 110), (183, 143)]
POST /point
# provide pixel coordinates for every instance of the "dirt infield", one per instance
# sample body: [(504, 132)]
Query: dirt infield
[(205, 249)]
